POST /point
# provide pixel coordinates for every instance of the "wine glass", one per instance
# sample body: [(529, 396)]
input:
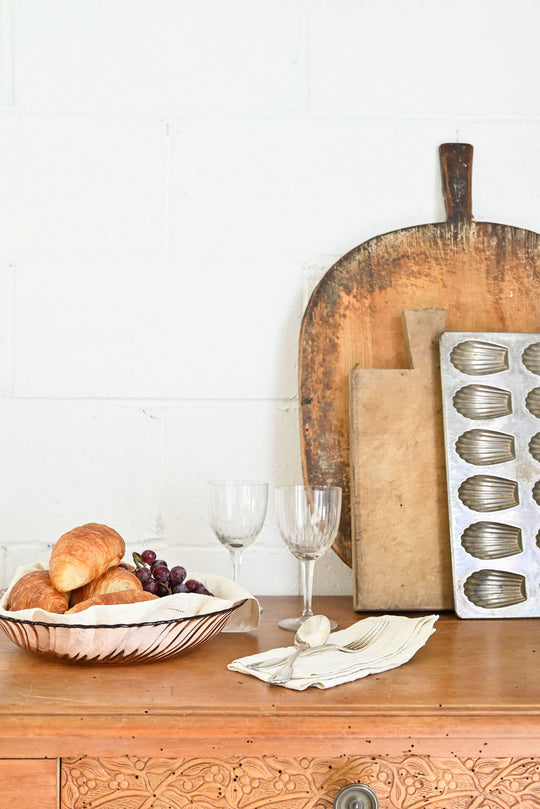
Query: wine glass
[(308, 520), (236, 512)]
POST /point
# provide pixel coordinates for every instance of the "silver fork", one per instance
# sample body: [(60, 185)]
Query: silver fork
[(366, 639), (354, 646)]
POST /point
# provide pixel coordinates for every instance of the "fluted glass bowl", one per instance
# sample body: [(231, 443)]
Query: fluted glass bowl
[(132, 633), (125, 643)]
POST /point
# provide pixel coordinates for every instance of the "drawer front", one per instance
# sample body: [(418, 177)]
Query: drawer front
[(28, 783), (408, 782)]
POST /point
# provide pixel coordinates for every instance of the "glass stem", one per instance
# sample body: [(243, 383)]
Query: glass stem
[(308, 568), (236, 558)]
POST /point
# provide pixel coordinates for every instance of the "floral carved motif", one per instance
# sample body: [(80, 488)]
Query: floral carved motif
[(269, 782)]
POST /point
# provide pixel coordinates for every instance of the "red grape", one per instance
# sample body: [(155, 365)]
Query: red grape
[(160, 573), (144, 574), (178, 574), (192, 585), (156, 578)]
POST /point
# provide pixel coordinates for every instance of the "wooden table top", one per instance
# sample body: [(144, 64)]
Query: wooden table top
[(475, 684)]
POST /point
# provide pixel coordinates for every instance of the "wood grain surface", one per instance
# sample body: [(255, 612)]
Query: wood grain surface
[(399, 507), (472, 690), (25, 784), (484, 275)]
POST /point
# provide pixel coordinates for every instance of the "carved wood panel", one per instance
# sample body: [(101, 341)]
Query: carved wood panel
[(410, 782)]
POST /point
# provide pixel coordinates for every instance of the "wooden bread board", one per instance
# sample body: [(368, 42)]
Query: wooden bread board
[(484, 275)]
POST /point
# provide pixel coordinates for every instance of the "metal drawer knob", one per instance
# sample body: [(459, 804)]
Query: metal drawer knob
[(356, 796)]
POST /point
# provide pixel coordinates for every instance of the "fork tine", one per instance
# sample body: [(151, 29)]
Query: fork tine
[(368, 637)]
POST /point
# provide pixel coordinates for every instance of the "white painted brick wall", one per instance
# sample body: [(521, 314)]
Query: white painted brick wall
[(175, 177)]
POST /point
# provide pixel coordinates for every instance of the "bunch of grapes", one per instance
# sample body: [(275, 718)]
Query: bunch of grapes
[(156, 577)]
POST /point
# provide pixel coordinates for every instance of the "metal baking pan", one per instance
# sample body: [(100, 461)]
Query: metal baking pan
[(491, 412)]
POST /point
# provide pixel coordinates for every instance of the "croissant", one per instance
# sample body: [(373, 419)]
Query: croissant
[(83, 554), (35, 589), (112, 581), (122, 597)]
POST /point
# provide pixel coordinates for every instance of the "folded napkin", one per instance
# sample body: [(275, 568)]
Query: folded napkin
[(391, 640), (181, 605)]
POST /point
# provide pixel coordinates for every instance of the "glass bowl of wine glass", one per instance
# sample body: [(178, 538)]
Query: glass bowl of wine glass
[(308, 519), (236, 512)]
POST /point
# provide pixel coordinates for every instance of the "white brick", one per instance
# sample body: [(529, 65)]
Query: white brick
[(213, 440), (332, 577), (14, 554), (506, 171), (302, 187), (256, 441), (81, 184), (424, 58), (146, 328), (217, 440), (6, 52), (6, 299), (67, 463), (167, 55)]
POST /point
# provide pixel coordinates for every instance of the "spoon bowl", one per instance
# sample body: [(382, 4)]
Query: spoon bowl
[(313, 632)]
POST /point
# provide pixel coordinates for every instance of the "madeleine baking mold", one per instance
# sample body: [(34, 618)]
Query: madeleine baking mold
[(531, 358), (491, 412), (485, 447), (492, 540), (482, 402), (479, 357)]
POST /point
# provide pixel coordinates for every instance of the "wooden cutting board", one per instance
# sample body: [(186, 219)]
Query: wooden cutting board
[(399, 507), (482, 274)]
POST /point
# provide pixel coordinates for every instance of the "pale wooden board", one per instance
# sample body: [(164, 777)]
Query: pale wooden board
[(399, 507), (29, 783)]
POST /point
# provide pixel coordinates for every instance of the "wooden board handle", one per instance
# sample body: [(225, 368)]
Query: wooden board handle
[(456, 168)]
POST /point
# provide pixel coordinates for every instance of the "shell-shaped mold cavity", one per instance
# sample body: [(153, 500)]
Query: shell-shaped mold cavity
[(489, 493), (485, 447), (536, 492), (493, 589), (532, 402), (531, 358), (492, 540), (477, 357), (482, 402), (534, 446)]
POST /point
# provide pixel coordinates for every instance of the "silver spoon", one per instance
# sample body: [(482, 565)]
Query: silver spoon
[(315, 631), (299, 638)]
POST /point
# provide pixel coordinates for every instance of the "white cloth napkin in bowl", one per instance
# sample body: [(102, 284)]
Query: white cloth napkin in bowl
[(392, 640), (226, 593)]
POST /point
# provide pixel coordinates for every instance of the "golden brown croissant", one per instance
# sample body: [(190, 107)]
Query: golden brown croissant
[(122, 597), (83, 554), (112, 581), (35, 589)]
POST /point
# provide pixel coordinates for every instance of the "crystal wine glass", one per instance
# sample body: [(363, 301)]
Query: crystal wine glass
[(308, 520), (236, 512)]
